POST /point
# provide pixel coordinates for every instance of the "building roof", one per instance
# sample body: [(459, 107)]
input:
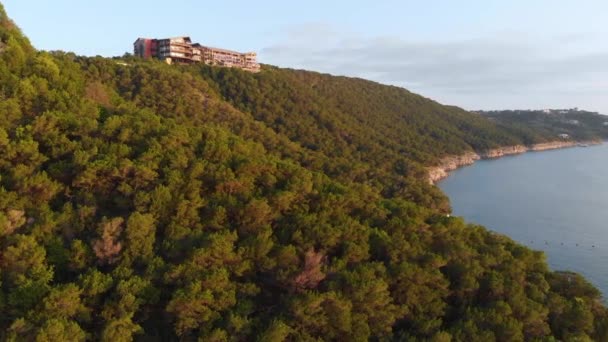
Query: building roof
[(138, 39), (186, 38)]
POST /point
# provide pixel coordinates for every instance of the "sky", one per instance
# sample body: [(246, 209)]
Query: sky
[(476, 54)]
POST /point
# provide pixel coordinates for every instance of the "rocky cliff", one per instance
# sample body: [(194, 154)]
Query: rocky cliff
[(560, 144), (503, 151), (450, 163)]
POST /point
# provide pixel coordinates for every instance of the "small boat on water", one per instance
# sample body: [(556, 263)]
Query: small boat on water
[(583, 145)]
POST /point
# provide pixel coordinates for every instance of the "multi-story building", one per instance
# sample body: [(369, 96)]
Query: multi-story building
[(182, 50), (145, 48), (175, 50)]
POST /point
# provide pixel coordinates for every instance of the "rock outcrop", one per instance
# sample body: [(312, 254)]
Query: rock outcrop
[(503, 151), (450, 163), (559, 144)]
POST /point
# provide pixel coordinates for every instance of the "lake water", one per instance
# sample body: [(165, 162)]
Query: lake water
[(555, 201)]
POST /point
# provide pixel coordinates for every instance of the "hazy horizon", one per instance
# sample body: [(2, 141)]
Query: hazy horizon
[(479, 55)]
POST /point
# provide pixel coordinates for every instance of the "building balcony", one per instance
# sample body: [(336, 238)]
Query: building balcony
[(180, 44)]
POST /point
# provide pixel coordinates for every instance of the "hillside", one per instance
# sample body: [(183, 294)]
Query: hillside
[(578, 124), (145, 201)]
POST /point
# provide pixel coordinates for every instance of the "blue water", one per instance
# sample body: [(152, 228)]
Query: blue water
[(555, 201)]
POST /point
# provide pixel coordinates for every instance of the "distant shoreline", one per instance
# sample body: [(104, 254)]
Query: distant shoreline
[(452, 163)]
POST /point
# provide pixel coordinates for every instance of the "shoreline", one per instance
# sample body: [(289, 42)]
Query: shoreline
[(451, 163)]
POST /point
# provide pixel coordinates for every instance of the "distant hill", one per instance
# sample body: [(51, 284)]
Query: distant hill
[(577, 124), (145, 201)]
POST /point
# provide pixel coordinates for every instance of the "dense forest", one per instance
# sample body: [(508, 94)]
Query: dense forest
[(143, 201)]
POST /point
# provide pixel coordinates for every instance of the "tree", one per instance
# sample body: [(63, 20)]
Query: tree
[(201, 303), (139, 237), (107, 248), (120, 330), (64, 303), (311, 274), (277, 331), (60, 330), (11, 220), (25, 260)]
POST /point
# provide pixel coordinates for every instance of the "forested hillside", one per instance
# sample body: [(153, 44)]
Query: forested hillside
[(142, 201), (578, 124)]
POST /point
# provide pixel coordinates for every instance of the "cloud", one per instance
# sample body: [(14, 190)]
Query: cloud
[(506, 66)]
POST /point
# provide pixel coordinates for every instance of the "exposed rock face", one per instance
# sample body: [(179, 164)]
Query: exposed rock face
[(557, 144), (450, 163), (503, 151)]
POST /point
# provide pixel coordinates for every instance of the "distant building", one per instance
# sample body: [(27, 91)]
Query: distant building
[(564, 136), (182, 50)]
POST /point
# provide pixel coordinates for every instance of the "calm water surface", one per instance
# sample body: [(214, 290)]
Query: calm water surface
[(555, 201)]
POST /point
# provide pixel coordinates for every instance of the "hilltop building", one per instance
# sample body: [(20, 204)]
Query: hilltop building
[(182, 50)]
